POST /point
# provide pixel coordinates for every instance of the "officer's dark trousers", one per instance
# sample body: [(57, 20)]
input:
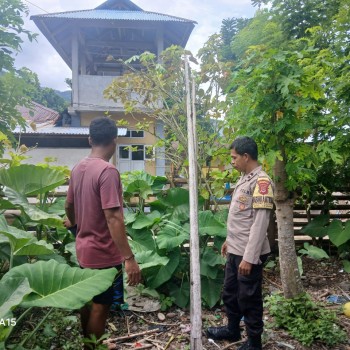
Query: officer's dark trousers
[(242, 296)]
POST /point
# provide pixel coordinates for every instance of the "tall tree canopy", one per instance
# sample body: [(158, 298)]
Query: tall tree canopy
[(288, 92), (43, 95), (12, 87)]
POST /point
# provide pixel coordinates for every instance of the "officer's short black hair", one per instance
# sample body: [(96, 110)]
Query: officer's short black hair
[(102, 131), (244, 145)]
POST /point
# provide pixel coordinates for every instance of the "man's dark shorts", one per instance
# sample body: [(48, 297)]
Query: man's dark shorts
[(114, 295)]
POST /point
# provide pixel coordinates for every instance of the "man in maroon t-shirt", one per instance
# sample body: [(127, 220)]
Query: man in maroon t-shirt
[(95, 204)]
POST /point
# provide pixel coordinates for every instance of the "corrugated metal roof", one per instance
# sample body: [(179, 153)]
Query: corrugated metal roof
[(60, 130), (38, 113), (115, 15)]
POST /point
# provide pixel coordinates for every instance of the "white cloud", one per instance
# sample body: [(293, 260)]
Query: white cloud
[(52, 70)]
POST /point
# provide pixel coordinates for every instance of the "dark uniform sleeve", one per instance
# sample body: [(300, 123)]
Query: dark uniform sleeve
[(262, 206)]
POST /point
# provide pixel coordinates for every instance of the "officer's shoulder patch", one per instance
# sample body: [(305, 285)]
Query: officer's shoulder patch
[(263, 194)]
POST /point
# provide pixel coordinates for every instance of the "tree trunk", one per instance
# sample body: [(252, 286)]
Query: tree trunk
[(290, 276)]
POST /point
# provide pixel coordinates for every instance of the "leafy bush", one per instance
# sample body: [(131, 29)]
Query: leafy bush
[(337, 231), (33, 254), (305, 320), (160, 239)]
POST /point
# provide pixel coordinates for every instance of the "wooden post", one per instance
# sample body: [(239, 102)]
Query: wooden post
[(196, 305)]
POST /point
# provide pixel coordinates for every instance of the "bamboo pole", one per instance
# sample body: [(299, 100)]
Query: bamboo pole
[(196, 311)]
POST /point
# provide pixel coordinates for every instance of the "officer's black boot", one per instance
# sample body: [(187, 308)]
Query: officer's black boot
[(253, 343), (224, 333)]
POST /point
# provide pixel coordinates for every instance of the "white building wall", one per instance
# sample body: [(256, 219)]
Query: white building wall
[(65, 156)]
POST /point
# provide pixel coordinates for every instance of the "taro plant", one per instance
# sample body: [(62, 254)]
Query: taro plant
[(33, 274), (337, 231), (160, 239)]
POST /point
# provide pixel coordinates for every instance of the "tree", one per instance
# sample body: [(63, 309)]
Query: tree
[(11, 23), (285, 93), (42, 95), (158, 91), (11, 86)]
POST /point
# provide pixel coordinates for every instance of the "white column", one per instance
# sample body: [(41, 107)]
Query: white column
[(160, 42), (75, 67)]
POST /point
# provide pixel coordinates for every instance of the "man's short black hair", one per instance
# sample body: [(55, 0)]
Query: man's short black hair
[(103, 131), (244, 145)]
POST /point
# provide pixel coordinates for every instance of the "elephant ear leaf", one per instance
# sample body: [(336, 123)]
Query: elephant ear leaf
[(31, 180), (13, 290), (59, 285), (33, 212)]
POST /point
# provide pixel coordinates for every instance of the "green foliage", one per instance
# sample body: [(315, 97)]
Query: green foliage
[(158, 90), (42, 95), (337, 231), (12, 88), (59, 285), (30, 278), (166, 302), (96, 344), (13, 292), (160, 242), (12, 94), (28, 180), (11, 31), (313, 252), (305, 320)]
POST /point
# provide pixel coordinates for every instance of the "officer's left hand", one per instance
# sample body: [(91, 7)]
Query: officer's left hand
[(244, 268)]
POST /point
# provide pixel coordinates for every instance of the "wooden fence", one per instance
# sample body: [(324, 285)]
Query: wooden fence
[(337, 207)]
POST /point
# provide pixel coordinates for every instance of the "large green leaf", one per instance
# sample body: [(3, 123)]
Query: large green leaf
[(140, 187), (209, 263), (172, 235), (314, 252), (59, 285), (13, 290), (180, 293), (158, 183), (338, 234), (57, 207), (147, 259), (207, 270), (317, 227), (346, 264), (165, 273), (70, 248), (36, 248), (31, 180), (208, 225), (148, 220), (177, 201), (211, 290), (22, 242), (129, 217), (34, 213), (143, 237)]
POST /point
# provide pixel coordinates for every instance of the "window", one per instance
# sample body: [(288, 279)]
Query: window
[(124, 152), (137, 152), (135, 134), (149, 152)]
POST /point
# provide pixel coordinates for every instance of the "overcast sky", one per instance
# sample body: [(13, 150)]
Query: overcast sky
[(41, 57)]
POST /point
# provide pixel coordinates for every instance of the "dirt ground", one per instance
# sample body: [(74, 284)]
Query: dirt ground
[(320, 279)]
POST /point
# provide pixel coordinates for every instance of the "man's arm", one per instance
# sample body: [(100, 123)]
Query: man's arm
[(70, 212), (116, 226)]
